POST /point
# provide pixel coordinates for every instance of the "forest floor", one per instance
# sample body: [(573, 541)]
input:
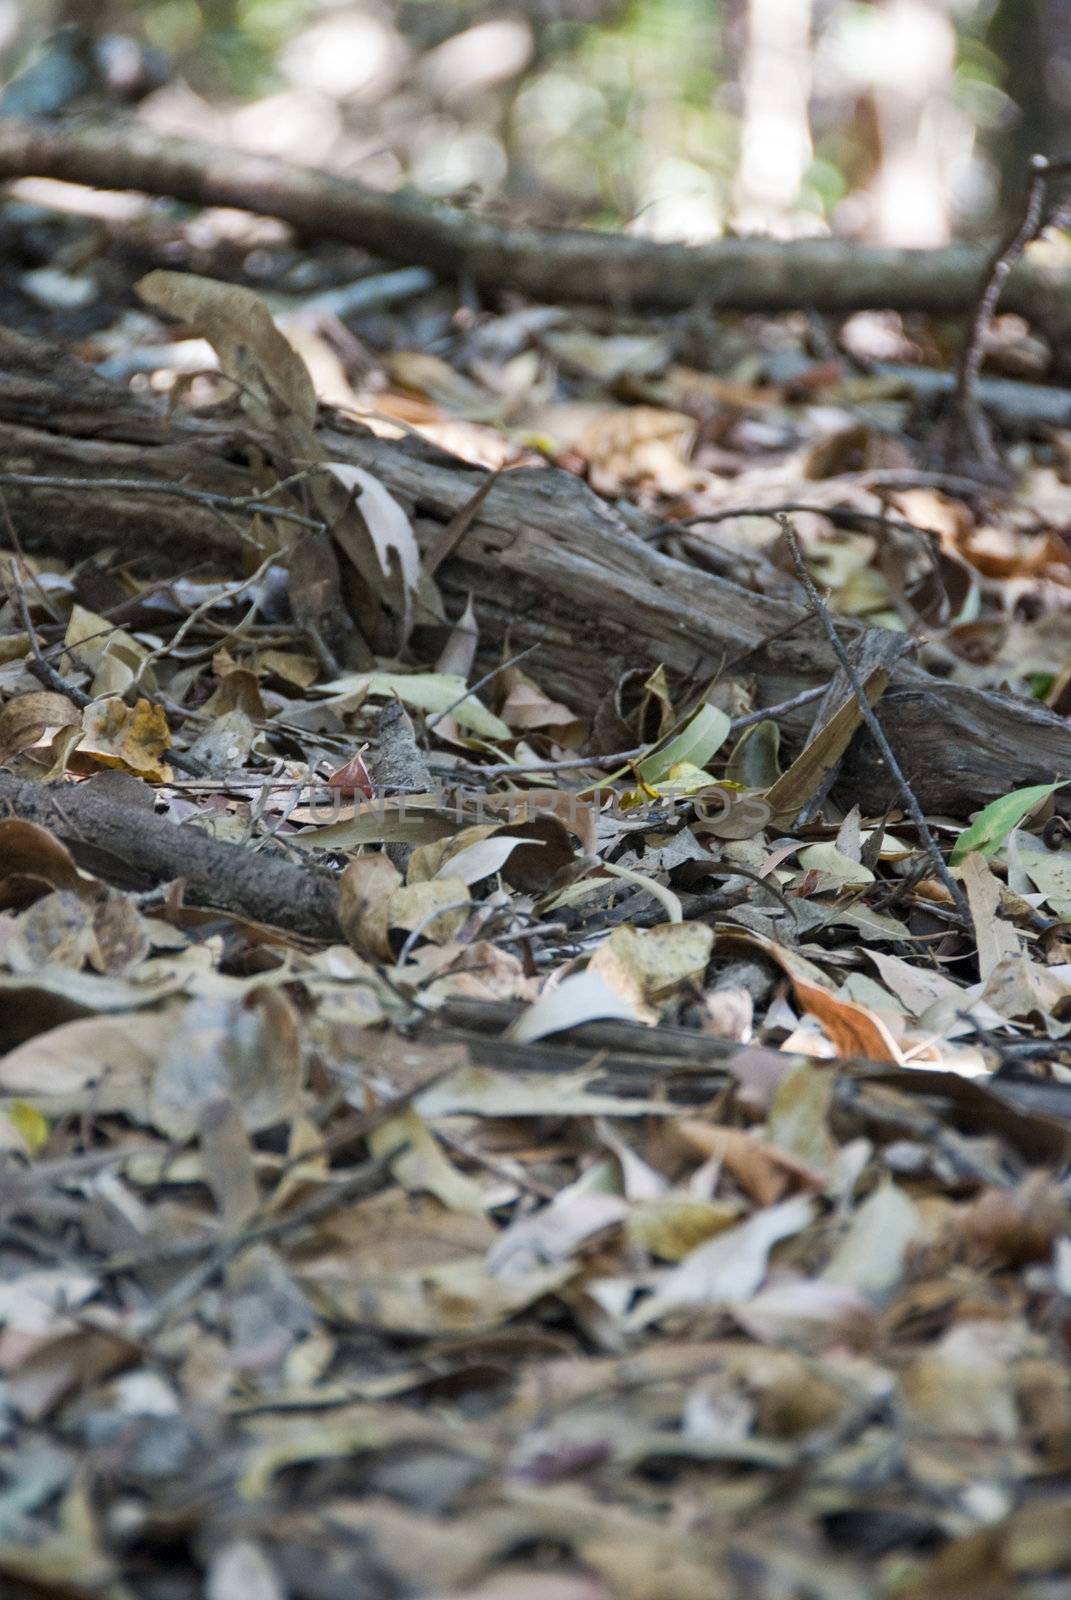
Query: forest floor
[(491, 1111)]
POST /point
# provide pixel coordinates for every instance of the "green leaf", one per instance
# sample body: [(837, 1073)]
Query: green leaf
[(425, 691), (992, 826), (695, 744)]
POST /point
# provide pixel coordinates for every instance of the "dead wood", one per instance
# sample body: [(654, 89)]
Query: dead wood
[(124, 842), (549, 264), (549, 563)]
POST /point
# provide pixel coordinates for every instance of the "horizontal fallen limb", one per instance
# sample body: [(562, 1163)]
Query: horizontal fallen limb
[(552, 264), (547, 561), (686, 1067), (126, 843)]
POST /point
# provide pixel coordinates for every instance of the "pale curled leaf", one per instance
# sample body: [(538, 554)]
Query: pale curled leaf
[(701, 738), (481, 1092), (363, 900), (728, 1268), (26, 717), (483, 858), (388, 526), (419, 1163), (647, 967), (665, 897), (221, 1049), (870, 1257), (423, 691), (582, 997), (455, 1297)]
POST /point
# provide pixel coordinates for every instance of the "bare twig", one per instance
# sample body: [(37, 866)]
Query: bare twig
[(805, 698), (547, 264), (425, 922), (42, 671), (479, 684), (230, 592), (505, 769), (968, 432), (846, 515), (877, 732), (180, 491)]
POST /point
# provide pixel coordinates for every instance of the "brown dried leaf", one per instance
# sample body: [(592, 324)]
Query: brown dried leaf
[(27, 717), (273, 381), (363, 904)]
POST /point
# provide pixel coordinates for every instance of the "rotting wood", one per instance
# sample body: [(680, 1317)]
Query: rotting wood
[(125, 842), (547, 560)]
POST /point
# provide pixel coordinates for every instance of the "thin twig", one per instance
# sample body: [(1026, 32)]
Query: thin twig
[(16, 545), (40, 668), (426, 920), (837, 514), (229, 592), (181, 491), (783, 707), (965, 417), (446, 542), (504, 769), (877, 732), (479, 684)]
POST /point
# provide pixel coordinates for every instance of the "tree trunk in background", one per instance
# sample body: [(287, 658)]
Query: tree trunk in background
[(1033, 39), (775, 134), (913, 75)]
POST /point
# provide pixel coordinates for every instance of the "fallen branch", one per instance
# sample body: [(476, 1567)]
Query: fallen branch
[(113, 837), (548, 562), (550, 264), (968, 442), (691, 1068)]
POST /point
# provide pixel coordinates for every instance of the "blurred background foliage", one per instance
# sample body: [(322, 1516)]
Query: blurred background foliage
[(902, 121)]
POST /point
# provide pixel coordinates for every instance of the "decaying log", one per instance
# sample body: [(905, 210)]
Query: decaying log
[(547, 561), (548, 263), (124, 841)]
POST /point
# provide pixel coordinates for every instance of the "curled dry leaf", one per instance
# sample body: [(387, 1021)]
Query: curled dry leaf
[(111, 1059), (459, 651), (728, 1268), (363, 901), (420, 1165), (581, 997), (26, 718), (482, 858), (28, 851), (273, 381), (645, 968), (674, 1225), (134, 739), (1011, 1227), (388, 526), (458, 1297), (871, 1255), (761, 1169), (65, 929), (435, 910)]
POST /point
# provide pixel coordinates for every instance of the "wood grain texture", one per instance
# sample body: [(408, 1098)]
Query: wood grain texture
[(547, 561)]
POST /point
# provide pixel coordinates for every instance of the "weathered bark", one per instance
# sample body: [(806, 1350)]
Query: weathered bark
[(548, 562), (747, 274), (125, 842)]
